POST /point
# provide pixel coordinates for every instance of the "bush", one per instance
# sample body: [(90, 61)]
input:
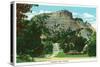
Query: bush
[(48, 48), (92, 50), (66, 48), (24, 58), (92, 46)]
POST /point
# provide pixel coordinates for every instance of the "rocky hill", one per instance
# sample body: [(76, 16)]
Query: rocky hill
[(61, 28), (63, 20)]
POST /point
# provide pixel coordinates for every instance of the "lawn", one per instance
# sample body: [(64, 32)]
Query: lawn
[(61, 54)]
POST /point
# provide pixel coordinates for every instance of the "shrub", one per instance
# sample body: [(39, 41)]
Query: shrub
[(24, 58), (92, 46), (92, 50), (48, 48)]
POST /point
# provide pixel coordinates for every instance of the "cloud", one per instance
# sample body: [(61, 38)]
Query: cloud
[(43, 11), (74, 13), (83, 15), (87, 15), (30, 15)]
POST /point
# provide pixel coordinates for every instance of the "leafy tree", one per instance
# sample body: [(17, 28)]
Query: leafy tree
[(21, 9), (92, 45), (80, 42), (48, 47), (37, 28), (74, 41), (27, 37)]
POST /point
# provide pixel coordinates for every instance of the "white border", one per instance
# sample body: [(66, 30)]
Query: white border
[(55, 4), (47, 62)]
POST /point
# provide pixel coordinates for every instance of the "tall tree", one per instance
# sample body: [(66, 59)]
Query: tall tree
[(92, 45), (20, 10)]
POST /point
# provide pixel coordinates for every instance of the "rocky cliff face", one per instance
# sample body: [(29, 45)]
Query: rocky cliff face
[(64, 20), (60, 27)]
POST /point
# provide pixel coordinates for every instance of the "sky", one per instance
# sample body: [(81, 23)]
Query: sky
[(86, 13)]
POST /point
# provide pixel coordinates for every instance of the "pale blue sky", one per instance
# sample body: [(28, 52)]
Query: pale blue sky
[(70, 8)]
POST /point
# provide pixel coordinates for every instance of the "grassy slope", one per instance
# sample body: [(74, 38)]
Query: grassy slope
[(61, 54)]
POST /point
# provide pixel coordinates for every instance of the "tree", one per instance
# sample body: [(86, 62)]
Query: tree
[(21, 9), (80, 42), (37, 28), (92, 45), (27, 36), (72, 40)]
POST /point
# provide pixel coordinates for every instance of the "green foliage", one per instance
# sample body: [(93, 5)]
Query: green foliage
[(79, 19), (92, 45), (66, 48), (48, 47), (24, 58), (28, 38), (80, 43), (76, 42), (39, 20), (62, 54), (29, 41)]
